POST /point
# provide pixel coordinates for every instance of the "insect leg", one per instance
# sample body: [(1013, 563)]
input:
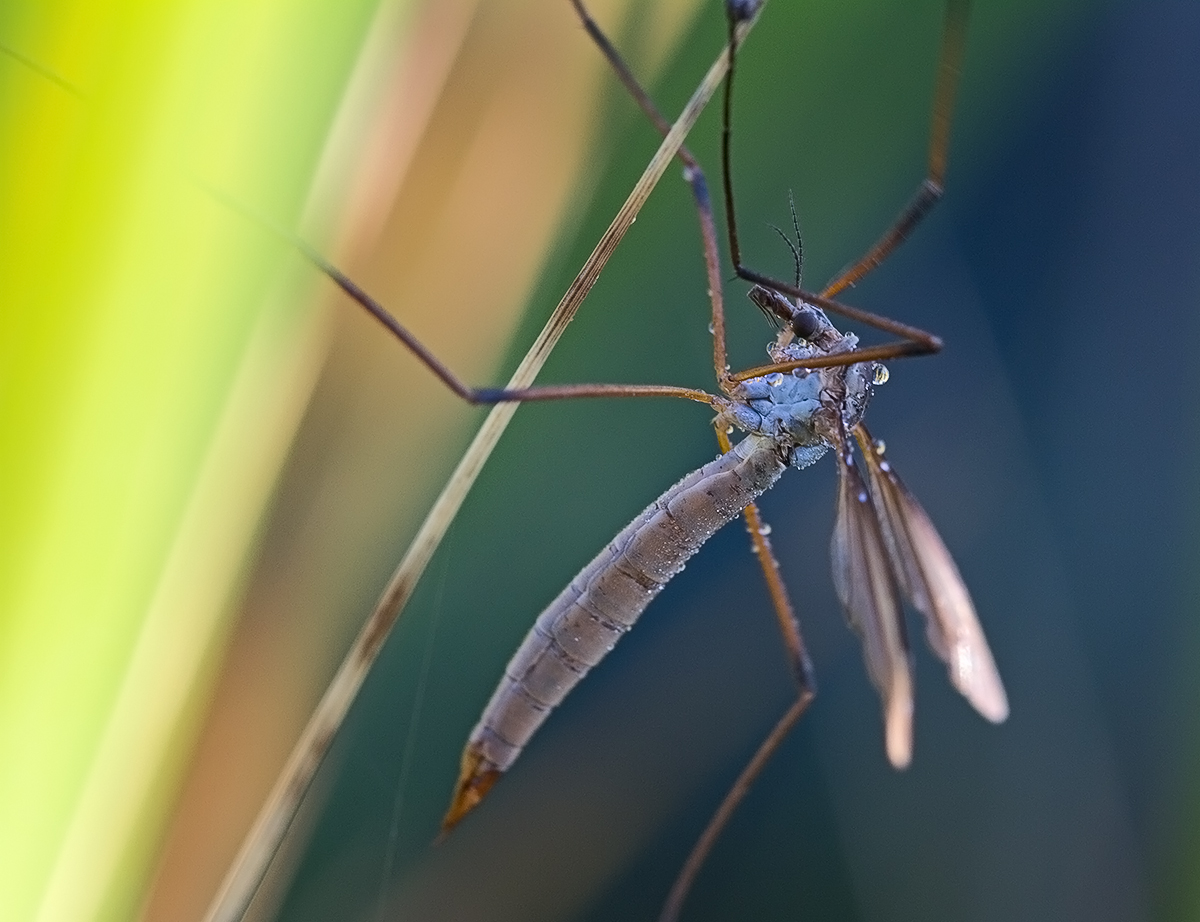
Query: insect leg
[(687, 876), (917, 341), (806, 691), (785, 613), (585, 280), (491, 395), (693, 174), (954, 39)]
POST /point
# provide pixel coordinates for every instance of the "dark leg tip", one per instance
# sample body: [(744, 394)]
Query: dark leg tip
[(742, 10)]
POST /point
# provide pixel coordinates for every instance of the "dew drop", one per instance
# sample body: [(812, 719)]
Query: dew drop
[(764, 529), (729, 429), (711, 328), (880, 446), (881, 373), (775, 379)]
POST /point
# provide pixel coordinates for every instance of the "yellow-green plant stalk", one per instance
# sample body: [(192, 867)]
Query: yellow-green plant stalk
[(154, 359)]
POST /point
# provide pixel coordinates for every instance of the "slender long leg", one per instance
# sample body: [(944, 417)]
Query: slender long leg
[(914, 341), (687, 876), (918, 341), (954, 39), (696, 180), (491, 395), (625, 75), (785, 613), (870, 354), (806, 691), (693, 174)]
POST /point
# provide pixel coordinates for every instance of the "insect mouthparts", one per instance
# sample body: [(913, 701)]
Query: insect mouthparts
[(803, 319)]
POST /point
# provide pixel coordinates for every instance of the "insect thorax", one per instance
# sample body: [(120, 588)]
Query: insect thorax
[(803, 410)]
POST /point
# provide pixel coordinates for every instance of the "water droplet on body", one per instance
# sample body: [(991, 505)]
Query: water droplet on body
[(774, 379), (881, 373)]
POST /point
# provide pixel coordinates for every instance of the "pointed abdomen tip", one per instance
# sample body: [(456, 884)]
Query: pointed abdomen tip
[(475, 779)]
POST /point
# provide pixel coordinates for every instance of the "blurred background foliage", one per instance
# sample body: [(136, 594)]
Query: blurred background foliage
[(212, 463)]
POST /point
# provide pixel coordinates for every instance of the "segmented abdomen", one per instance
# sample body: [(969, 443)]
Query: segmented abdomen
[(583, 624)]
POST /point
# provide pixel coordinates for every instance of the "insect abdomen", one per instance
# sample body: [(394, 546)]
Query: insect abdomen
[(583, 624)]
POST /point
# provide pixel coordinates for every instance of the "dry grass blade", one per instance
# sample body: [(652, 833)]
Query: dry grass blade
[(275, 817)]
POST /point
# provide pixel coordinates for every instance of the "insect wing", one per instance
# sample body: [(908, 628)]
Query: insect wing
[(926, 573), (863, 578)]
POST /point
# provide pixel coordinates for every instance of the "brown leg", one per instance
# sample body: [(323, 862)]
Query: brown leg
[(687, 876), (785, 613), (913, 341), (491, 395), (954, 39), (695, 179), (918, 341), (806, 690)]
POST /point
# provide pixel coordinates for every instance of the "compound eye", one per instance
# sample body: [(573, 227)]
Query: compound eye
[(741, 10), (805, 322)]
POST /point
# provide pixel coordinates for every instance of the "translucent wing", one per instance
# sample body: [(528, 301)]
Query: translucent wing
[(927, 575), (862, 576)]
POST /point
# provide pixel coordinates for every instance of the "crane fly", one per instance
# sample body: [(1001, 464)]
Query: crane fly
[(807, 401)]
